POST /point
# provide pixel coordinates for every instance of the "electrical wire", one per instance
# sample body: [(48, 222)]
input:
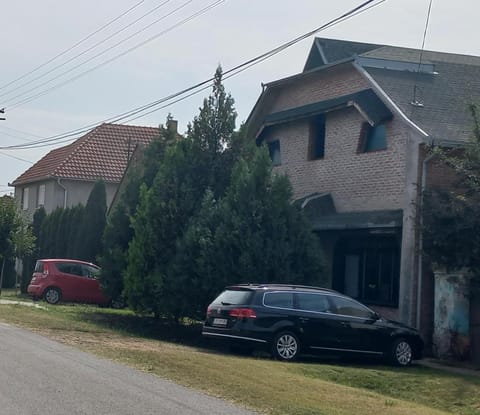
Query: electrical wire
[(83, 53), (61, 138), (31, 98), (181, 23), (19, 131), (73, 46), (415, 102), (16, 158)]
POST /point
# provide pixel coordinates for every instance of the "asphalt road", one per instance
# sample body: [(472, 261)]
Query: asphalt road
[(39, 376)]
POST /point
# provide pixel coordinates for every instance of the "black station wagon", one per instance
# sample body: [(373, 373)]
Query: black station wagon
[(290, 319)]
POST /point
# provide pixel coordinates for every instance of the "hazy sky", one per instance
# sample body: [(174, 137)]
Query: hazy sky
[(229, 34)]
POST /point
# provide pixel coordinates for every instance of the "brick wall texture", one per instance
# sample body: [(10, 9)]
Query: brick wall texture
[(357, 181)]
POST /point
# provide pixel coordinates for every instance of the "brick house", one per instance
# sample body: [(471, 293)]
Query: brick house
[(65, 176), (351, 133)]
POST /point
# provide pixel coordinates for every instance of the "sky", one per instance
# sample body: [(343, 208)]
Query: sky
[(89, 61)]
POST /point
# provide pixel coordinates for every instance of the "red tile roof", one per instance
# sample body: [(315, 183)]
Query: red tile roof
[(100, 154)]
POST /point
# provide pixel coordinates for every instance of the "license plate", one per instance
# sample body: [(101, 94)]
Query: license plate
[(220, 322)]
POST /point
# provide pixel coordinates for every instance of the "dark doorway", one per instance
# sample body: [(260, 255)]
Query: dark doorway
[(367, 267)]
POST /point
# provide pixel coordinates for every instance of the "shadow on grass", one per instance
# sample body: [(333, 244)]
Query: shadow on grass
[(147, 327), (190, 334)]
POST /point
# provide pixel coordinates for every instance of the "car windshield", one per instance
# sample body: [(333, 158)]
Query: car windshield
[(233, 297)]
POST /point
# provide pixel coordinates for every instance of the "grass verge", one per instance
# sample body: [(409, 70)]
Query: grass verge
[(311, 386)]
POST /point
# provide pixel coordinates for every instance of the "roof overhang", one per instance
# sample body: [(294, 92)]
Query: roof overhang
[(320, 210), (378, 219), (366, 102)]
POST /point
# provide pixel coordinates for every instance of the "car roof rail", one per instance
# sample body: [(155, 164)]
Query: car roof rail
[(280, 285)]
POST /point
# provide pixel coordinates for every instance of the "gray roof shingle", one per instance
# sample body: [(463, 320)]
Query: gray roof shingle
[(446, 85)]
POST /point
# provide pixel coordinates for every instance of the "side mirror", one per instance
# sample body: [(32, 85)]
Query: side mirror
[(375, 316)]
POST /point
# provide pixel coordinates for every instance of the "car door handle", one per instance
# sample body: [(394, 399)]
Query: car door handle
[(345, 324), (304, 319)]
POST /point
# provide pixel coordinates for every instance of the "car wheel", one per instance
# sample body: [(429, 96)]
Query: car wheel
[(286, 346), (401, 353), (52, 295)]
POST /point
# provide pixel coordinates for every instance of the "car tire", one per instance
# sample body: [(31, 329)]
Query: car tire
[(401, 352), (286, 346), (52, 295)]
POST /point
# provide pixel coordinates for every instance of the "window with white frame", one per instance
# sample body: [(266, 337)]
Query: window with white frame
[(41, 195), (25, 193)]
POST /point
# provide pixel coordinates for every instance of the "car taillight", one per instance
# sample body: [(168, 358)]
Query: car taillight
[(209, 311), (242, 313)]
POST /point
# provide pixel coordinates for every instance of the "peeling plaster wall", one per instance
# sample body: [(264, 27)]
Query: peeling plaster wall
[(451, 337)]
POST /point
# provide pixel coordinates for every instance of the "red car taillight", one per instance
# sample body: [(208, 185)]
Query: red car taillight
[(209, 311), (242, 313)]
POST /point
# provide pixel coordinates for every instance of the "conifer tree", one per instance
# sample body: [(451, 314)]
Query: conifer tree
[(89, 237), (118, 230)]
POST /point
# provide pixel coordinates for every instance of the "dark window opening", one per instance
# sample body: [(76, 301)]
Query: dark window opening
[(368, 269), (372, 138), (274, 151), (316, 145)]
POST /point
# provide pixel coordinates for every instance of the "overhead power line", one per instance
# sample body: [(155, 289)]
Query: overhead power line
[(169, 29), (73, 46), (192, 90), (15, 157), (94, 46), (415, 102)]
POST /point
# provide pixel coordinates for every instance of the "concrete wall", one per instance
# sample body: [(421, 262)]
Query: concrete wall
[(79, 191), (68, 193), (451, 335)]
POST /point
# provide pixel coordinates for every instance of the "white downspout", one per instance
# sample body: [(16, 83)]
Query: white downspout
[(64, 192), (420, 242)]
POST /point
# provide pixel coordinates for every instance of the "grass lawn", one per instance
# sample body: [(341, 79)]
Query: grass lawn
[(310, 386)]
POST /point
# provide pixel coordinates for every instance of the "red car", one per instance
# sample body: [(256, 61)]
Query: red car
[(68, 280)]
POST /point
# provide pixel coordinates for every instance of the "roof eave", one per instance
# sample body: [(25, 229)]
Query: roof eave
[(389, 101), (266, 87)]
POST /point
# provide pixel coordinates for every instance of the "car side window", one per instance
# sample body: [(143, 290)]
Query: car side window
[(73, 269), (280, 300), (313, 302), (347, 307)]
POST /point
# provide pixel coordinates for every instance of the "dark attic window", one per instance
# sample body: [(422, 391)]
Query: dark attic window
[(372, 138), (316, 144), (274, 151)]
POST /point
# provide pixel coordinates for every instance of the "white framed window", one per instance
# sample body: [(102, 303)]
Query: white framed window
[(41, 195), (25, 193)]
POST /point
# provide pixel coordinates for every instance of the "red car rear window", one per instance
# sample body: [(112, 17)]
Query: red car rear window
[(39, 266)]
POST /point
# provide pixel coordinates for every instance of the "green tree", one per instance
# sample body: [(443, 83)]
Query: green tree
[(254, 234), (160, 220), (76, 217), (89, 237), (118, 231), (215, 214), (16, 238), (30, 259), (451, 232), (213, 135)]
